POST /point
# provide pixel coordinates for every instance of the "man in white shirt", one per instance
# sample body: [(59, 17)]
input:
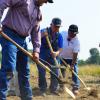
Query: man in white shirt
[(71, 48)]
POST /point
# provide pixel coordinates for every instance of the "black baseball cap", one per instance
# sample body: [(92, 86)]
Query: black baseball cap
[(50, 1), (73, 28), (56, 21)]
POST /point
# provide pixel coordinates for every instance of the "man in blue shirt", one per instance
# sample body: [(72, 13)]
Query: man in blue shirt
[(57, 43)]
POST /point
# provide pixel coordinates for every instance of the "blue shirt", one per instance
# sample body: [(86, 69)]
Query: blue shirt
[(56, 45)]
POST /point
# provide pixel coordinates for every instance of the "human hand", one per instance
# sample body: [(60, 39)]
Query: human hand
[(72, 67), (35, 56), (54, 54)]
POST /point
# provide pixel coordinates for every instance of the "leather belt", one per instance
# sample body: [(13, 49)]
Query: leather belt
[(4, 26)]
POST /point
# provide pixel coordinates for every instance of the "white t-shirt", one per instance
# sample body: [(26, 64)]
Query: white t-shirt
[(69, 47)]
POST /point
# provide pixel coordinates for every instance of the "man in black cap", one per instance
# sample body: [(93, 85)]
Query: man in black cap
[(45, 53), (71, 48)]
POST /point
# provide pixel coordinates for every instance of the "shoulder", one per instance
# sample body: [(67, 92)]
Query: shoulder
[(64, 33), (43, 30)]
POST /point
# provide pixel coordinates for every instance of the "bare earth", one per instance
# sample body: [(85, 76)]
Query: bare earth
[(93, 94)]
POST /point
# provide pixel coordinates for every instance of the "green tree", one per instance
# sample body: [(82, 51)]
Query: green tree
[(81, 62), (94, 56)]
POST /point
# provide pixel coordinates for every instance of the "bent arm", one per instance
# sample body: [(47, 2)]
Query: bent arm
[(36, 38)]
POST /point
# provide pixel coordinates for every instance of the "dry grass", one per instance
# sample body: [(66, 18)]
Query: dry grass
[(33, 69), (84, 95), (93, 70)]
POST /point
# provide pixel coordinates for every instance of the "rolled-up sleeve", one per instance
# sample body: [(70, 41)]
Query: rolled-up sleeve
[(36, 38)]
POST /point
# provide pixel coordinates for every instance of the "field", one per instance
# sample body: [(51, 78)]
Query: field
[(90, 74)]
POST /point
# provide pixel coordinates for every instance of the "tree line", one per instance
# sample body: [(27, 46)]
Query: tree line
[(93, 59)]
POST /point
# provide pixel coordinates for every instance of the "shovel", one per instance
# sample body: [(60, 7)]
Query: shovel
[(67, 65)]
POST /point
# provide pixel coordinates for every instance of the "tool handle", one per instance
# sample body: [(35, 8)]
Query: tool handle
[(73, 72), (51, 49)]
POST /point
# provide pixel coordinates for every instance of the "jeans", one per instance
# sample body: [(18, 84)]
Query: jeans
[(45, 55), (76, 81), (13, 58)]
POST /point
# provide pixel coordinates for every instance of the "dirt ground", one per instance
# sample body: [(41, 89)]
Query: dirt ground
[(93, 94)]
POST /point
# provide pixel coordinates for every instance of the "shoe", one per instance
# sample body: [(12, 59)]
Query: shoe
[(76, 92), (42, 93), (55, 93)]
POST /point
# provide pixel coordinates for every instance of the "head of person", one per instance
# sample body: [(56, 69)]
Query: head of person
[(72, 31), (41, 2), (55, 24)]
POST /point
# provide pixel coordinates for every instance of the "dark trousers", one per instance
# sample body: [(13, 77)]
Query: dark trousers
[(74, 77), (45, 55)]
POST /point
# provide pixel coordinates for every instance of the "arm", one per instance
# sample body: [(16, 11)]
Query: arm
[(60, 44), (75, 54), (36, 41), (74, 60), (36, 38)]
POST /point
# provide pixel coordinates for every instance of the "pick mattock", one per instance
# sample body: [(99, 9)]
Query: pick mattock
[(67, 65), (39, 62), (55, 60)]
